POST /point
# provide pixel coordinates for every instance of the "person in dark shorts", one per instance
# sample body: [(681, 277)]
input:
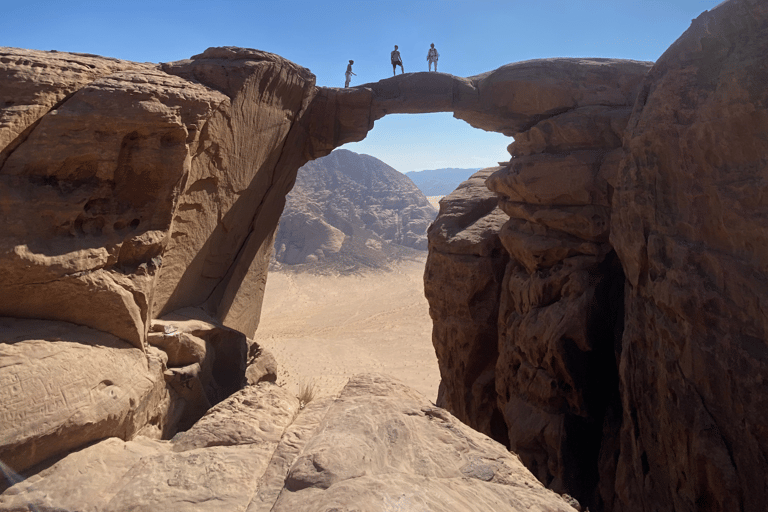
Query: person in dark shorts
[(396, 61)]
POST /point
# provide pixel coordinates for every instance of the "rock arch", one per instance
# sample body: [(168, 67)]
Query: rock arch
[(183, 213), (138, 197)]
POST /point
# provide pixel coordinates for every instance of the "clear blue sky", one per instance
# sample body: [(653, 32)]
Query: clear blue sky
[(472, 36)]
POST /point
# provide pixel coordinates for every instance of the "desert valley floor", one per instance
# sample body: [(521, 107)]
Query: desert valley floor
[(323, 329)]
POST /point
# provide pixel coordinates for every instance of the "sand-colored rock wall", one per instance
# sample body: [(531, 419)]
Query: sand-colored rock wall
[(131, 190), (524, 328)]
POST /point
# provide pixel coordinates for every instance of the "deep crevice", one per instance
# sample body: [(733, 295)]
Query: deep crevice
[(590, 441)]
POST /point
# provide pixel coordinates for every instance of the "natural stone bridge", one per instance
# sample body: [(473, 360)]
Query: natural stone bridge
[(141, 200), (508, 100), (155, 188), (136, 195)]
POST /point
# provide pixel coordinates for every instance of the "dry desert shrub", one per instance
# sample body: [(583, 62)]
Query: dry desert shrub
[(307, 392)]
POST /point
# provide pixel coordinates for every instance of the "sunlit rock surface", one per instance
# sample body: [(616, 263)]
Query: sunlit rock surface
[(525, 320), (377, 446)]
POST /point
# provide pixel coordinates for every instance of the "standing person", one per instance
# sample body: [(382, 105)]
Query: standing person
[(349, 73), (396, 61), (432, 56)]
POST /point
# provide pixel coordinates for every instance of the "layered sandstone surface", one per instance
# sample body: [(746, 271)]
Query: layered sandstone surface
[(132, 190), (132, 193), (378, 446), (522, 282), (656, 403)]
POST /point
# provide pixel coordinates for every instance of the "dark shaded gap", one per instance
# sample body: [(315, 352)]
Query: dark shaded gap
[(591, 445)]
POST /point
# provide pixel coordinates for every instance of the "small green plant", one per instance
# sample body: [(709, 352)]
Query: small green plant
[(306, 394)]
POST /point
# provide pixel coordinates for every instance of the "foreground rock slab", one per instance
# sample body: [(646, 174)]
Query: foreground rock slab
[(378, 446)]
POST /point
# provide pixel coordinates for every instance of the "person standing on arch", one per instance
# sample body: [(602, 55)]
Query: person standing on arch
[(432, 57), (349, 73), (396, 61)]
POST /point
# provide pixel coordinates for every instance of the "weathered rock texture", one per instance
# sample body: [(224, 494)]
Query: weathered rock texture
[(350, 211), (132, 190), (379, 446), (62, 386), (656, 404), (525, 336), (131, 193), (462, 282), (689, 224)]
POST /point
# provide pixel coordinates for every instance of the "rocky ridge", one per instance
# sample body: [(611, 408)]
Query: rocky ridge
[(350, 212)]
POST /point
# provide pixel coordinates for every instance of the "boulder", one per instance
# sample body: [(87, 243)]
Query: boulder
[(63, 386), (689, 226), (378, 446)]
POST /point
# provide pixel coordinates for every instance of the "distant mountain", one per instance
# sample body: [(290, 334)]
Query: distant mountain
[(440, 182), (349, 211)]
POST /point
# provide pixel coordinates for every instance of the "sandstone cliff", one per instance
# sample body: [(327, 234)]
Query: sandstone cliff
[(349, 211), (529, 357), (642, 392), (690, 228), (130, 192)]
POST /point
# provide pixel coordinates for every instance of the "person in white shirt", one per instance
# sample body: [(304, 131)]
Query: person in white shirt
[(349, 73), (432, 57)]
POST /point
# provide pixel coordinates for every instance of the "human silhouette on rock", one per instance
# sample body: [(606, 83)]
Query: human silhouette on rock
[(396, 61), (432, 56), (349, 73)]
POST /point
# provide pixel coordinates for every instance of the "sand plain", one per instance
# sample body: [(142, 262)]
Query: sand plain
[(322, 329)]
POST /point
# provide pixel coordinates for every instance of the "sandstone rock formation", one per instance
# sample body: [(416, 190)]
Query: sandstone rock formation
[(379, 446), (129, 191), (462, 282), (140, 203), (689, 227), (349, 210), (656, 404), (132, 193), (62, 386), (534, 278)]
